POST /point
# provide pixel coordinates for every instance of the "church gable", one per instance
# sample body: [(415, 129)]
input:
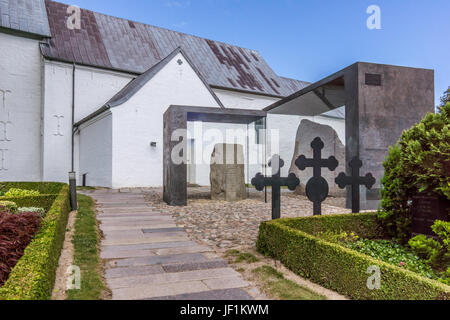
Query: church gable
[(176, 72), (175, 81)]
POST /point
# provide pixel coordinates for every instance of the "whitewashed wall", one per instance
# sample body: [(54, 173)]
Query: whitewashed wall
[(93, 88), (139, 121), (20, 109), (234, 100), (96, 151), (283, 127)]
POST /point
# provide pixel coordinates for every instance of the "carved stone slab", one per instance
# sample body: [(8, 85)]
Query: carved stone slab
[(426, 210), (228, 173)]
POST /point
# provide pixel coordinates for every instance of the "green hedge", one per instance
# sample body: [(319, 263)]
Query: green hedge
[(42, 187), (42, 201), (292, 241), (34, 275)]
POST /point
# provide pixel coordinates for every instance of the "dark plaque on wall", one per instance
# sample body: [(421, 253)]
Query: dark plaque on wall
[(426, 210), (373, 79)]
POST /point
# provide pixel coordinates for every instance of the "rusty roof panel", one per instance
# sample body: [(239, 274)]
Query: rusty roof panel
[(107, 41), (82, 46)]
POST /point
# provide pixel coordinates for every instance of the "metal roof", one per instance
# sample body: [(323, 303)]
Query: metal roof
[(120, 44), (28, 16)]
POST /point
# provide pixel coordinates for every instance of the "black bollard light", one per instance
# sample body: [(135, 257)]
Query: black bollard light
[(73, 190)]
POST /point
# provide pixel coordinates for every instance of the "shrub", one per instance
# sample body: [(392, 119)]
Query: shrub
[(337, 267), (42, 201), (8, 206), (17, 193), (16, 232), (426, 248), (393, 253), (33, 276), (42, 187), (445, 98), (420, 162), (437, 254), (37, 210)]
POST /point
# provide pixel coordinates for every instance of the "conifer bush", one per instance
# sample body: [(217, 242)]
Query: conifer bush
[(419, 162)]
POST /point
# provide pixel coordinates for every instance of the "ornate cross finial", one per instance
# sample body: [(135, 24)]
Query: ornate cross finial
[(260, 182), (354, 181), (276, 163), (317, 188)]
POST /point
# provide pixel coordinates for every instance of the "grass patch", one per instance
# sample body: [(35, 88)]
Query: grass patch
[(80, 188), (86, 252), (277, 285), (240, 257)]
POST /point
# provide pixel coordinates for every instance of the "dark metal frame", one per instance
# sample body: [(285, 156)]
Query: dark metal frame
[(177, 117)]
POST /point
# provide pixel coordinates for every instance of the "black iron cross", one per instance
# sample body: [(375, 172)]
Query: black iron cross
[(317, 187), (260, 181), (355, 181)]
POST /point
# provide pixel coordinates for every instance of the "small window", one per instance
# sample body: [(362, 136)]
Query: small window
[(259, 128)]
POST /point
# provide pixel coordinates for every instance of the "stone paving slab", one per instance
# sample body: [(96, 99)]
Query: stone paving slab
[(162, 230), (138, 227), (161, 278), (132, 271), (134, 224), (126, 214), (147, 255), (226, 283), (195, 266), (122, 254), (145, 240), (160, 245), (176, 258), (136, 233), (193, 249), (120, 220), (145, 292), (128, 211), (227, 295)]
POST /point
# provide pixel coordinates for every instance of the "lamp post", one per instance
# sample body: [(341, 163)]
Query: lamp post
[(73, 190)]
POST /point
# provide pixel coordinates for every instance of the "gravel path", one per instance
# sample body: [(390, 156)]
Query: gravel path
[(228, 225)]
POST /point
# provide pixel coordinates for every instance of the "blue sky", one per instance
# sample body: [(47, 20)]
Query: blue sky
[(307, 39)]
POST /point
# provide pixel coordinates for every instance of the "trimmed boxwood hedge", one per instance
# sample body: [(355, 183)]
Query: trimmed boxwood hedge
[(33, 276), (42, 201), (293, 242), (42, 187)]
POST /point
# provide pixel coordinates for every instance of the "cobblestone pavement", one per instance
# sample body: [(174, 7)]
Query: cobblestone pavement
[(228, 225), (148, 256)]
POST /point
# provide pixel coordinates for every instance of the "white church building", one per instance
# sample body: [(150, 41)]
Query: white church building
[(91, 99)]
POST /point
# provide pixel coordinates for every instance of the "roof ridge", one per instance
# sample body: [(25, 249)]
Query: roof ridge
[(163, 28), (120, 44)]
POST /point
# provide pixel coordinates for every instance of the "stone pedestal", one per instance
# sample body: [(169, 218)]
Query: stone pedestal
[(227, 173), (306, 133)]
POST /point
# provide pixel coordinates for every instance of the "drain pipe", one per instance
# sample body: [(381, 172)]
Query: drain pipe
[(72, 174)]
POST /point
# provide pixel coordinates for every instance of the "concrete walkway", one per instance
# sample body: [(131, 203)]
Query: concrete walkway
[(148, 257)]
